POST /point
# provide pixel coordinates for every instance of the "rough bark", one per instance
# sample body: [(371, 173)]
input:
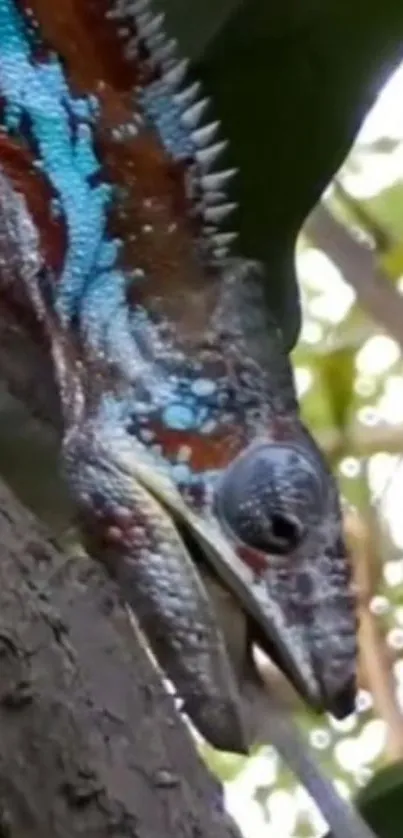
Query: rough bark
[(90, 743), (27, 371)]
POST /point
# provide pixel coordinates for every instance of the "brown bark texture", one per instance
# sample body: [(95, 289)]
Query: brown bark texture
[(90, 742)]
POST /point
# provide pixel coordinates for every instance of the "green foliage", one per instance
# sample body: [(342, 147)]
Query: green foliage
[(225, 766), (336, 371), (381, 802)]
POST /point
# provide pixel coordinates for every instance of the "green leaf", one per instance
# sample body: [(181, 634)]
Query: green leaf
[(381, 802), (386, 207), (224, 765), (337, 373)]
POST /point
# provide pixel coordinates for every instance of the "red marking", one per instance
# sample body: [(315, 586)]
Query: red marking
[(207, 451), (114, 535), (19, 165), (123, 518), (256, 560)]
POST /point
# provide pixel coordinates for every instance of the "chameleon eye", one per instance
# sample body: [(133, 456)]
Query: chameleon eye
[(271, 497), (281, 534)]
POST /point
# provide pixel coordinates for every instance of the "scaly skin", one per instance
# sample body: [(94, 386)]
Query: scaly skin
[(181, 427)]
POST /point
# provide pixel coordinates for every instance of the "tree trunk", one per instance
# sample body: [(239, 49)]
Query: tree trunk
[(90, 743)]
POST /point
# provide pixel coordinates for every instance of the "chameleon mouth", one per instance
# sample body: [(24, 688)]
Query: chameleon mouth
[(314, 662), (322, 693)]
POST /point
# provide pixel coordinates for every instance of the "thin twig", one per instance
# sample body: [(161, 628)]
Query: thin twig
[(357, 263), (375, 658)]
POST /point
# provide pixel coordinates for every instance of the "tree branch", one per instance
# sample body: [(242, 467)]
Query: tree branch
[(361, 440), (376, 659), (90, 743), (357, 264)]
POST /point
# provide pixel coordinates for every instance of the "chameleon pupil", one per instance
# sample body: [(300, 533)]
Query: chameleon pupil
[(285, 531)]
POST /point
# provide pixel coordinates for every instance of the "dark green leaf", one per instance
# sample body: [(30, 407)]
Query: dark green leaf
[(381, 802)]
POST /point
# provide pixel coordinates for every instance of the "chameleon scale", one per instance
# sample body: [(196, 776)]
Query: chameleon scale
[(178, 399)]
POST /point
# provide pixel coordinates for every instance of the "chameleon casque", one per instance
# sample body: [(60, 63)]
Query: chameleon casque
[(182, 442)]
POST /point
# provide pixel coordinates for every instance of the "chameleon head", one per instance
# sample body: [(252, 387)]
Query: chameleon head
[(278, 549), (278, 505)]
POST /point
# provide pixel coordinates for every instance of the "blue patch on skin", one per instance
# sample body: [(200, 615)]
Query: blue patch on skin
[(89, 283), (181, 473), (83, 108), (107, 254), (104, 320), (179, 417), (40, 91), (203, 387), (113, 411), (161, 108)]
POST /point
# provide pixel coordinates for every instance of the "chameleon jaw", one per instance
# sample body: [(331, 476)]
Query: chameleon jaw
[(127, 529), (317, 659)]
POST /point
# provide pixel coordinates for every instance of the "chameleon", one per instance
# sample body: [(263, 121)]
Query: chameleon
[(181, 437)]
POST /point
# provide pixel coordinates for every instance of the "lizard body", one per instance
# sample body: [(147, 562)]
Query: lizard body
[(181, 426)]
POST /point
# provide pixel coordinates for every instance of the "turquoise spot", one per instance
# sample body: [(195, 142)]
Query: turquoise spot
[(203, 387), (178, 417), (181, 473)]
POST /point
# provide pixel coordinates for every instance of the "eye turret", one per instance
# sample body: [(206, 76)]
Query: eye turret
[(271, 497)]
